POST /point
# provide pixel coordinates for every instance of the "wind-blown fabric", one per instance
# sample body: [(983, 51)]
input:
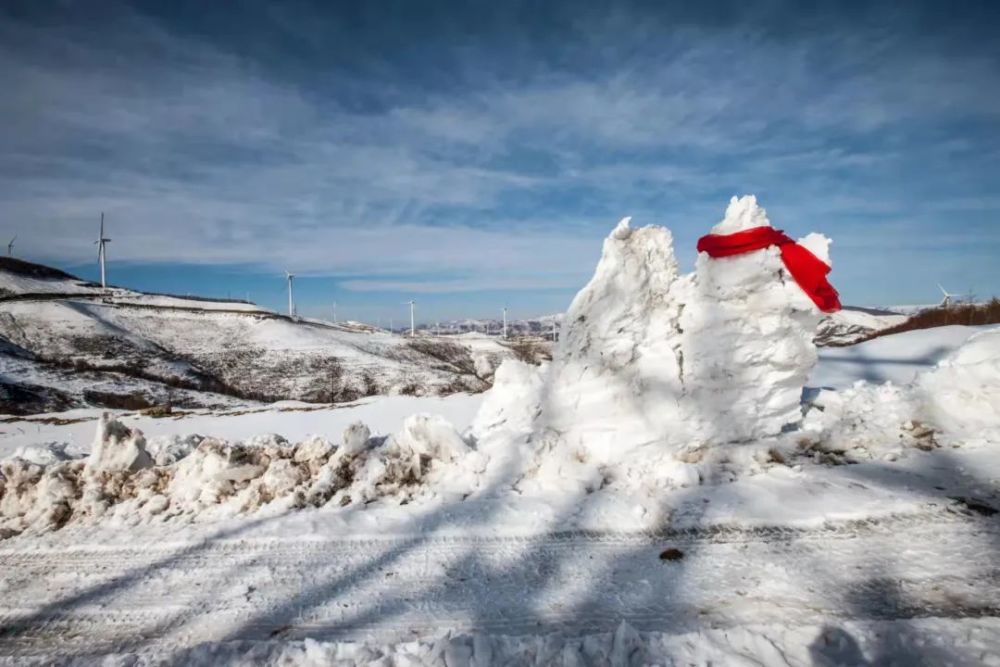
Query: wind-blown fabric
[(808, 270)]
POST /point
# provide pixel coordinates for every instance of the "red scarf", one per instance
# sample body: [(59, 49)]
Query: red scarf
[(808, 270)]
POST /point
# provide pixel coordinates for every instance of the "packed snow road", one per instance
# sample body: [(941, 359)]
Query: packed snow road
[(91, 601)]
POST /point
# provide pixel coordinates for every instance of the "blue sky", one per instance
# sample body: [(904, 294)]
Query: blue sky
[(469, 155)]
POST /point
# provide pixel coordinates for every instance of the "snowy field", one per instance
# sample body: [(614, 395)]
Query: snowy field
[(687, 482), (895, 359)]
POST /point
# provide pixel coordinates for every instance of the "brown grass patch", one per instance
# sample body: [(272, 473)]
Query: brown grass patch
[(961, 314)]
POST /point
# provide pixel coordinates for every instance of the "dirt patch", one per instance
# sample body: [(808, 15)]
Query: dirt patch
[(976, 506), (456, 357), (671, 555), (30, 399), (113, 401), (531, 352)]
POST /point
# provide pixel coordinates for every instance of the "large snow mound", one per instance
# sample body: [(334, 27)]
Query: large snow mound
[(651, 361)]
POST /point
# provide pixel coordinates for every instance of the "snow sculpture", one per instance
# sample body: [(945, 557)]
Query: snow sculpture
[(748, 332), (651, 361)]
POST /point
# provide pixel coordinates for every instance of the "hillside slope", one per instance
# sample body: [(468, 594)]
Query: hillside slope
[(66, 343)]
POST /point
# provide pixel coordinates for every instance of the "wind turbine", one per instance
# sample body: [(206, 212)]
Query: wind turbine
[(413, 326), (291, 306), (948, 299), (334, 312), (10, 247), (505, 322), (102, 253)]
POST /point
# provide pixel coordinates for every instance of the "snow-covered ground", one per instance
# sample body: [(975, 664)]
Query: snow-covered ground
[(897, 358), (292, 420), (859, 526), (848, 326), (122, 349)]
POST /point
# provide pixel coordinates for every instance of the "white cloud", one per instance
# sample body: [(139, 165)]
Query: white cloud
[(199, 156)]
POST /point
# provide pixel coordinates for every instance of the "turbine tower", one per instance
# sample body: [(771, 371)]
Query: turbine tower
[(505, 322), (102, 253), (948, 299), (291, 306), (413, 324), (334, 312), (10, 247)]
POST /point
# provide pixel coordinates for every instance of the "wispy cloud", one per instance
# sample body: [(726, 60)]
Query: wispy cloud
[(501, 159)]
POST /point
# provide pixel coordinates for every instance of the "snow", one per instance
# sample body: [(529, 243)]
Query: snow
[(917, 642), (849, 325), (683, 483), (651, 362), (743, 213), (26, 286), (117, 447), (897, 358), (61, 347), (295, 421), (962, 395), (245, 354)]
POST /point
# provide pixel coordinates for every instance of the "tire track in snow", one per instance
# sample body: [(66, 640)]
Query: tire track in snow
[(82, 599)]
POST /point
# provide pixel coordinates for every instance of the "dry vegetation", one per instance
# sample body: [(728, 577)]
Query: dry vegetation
[(531, 352), (942, 316)]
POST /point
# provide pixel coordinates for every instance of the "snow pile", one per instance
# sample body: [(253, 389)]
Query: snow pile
[(117, 447), (45, 454), (512, 405), (962, 395), (207, 478), (653, 363), (956, 401), (867, 421), (848, 642)]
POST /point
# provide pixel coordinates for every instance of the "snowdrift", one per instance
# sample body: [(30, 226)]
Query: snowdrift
[(661, 380), (129, 481)]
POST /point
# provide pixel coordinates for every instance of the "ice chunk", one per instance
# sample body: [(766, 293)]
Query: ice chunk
[(356, 438), (117, 447)]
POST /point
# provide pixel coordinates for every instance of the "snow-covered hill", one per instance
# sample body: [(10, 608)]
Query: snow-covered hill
[(67, 343), (850, 325)]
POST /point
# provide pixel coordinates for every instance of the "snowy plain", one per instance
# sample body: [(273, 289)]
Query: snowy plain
[(514, 531)]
